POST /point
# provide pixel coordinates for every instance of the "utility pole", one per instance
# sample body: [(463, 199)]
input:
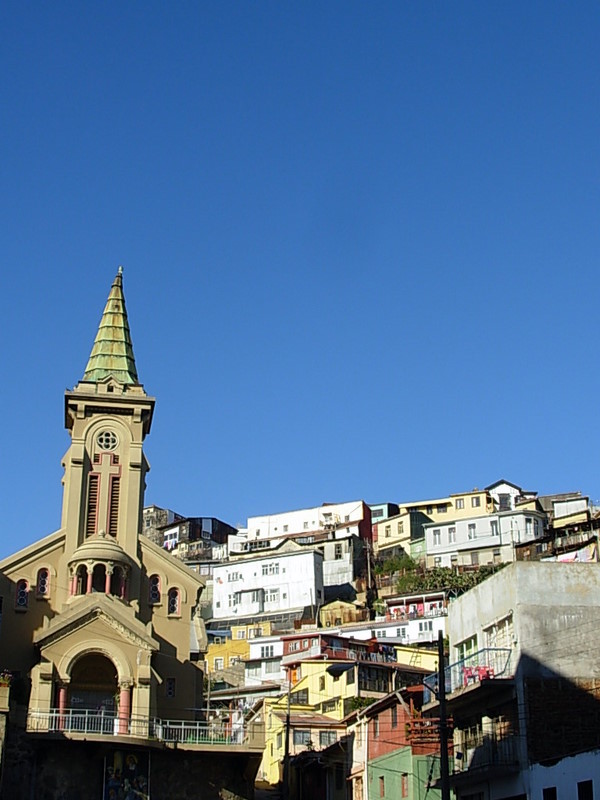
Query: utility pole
[(207, 692), (443, 726), (285, 789)]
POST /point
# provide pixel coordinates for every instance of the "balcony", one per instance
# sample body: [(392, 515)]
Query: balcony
[(217, 732), (342, 653), (406, 616), (490, 752), (483, 666)]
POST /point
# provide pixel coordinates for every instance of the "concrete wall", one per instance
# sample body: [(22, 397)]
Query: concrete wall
[(566, 774), (555, 610), (75, 770)]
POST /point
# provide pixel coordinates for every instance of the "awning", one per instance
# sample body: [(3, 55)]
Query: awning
[(338, 669)]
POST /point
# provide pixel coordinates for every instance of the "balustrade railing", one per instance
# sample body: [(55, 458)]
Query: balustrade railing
[(217, 731)]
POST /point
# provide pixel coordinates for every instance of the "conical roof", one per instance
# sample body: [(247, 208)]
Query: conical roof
[(112, 353)]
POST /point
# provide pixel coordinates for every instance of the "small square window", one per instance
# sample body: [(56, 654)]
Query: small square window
[(302, 737)]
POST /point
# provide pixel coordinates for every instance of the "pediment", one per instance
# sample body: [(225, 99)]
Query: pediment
[(290, 546), (85, 613)]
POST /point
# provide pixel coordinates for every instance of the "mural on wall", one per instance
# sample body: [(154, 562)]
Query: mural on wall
[(126, 776)]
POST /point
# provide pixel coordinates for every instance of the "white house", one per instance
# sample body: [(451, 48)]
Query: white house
[(268, 586), (263, 664), (506, 495), (488, 539), (407, 632), (341, 518), (342, 531)]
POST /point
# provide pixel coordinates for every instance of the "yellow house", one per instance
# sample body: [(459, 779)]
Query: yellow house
[(228, 651), (455, 506), (392, 536), (307, 730), (396, 535), (318, 702), (341, 612), (416, 657), (323, 691)]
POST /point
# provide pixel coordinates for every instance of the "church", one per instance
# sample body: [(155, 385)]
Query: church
[(100, 633)]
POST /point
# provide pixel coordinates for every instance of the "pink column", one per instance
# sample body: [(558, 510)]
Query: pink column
[(88, 589), (107, 582), (72, 585), (124, 710), (62, 706)]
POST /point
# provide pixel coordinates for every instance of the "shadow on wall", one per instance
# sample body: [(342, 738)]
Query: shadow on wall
[(539, 718)]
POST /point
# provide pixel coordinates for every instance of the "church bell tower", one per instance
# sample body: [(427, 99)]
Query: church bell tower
[(108, 415)]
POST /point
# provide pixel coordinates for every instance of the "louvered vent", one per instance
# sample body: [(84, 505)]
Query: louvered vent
[(113, 514), (92, 507)]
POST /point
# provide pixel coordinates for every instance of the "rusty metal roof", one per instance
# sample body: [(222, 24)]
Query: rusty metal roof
[(112, 353)]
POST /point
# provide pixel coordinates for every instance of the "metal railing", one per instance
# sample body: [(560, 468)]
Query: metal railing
[(343, 653), (485, 751), (218, 731), (486, 664), (407, 616)]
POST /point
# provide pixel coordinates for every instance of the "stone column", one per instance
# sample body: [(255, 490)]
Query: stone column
[(62, 707), (109, 572), (90, 577), (124, 707), (124, 576)]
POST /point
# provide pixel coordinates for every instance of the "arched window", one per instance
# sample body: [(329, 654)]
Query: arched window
[(22, 595), (42, 586), (99, 578), (81, 582), (117, 582), (173, 606), (154, 590)]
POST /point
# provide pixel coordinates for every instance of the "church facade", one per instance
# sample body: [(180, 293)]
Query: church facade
[(100, 629)]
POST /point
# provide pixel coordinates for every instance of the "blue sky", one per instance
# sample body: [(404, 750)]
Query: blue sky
[(360, 244)]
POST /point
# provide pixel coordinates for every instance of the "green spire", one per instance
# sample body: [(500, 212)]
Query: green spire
[(112, 353)]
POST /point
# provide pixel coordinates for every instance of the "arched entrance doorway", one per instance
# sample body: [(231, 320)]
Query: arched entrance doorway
[(93, 685)]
